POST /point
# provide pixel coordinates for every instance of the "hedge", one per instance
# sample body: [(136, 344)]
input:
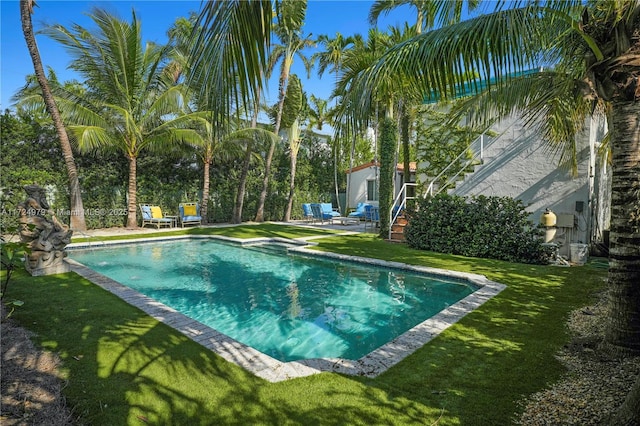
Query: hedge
[(480, 226)]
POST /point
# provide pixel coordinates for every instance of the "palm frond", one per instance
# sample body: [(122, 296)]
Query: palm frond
[(91, 138), (549, 101), (496, 44), (230, 53)]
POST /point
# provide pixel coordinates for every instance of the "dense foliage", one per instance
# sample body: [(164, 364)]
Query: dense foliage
[(486, 227), (388, 130), (439, 142), (31, 154)]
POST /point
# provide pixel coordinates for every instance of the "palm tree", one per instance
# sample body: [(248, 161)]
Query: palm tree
[(398, 35), (319, 115), (291, 116), (592, 52), (333, 53), (332, 56), (290, 19), (233, 45), (210, 141), (130, 104), (250, 139), (430, 13), (77, 221), (355, 114)]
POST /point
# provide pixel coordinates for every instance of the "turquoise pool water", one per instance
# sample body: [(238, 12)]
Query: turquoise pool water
[(288, 306)]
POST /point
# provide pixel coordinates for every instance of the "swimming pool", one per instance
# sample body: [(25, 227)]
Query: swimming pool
[(290, 307)]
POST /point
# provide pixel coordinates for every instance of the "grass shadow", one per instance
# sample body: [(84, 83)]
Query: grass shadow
[(124, 367)]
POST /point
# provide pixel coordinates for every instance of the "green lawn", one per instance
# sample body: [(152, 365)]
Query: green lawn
[(124, 367)]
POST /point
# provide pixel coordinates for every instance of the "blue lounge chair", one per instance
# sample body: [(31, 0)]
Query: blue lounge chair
[(189, 214), (307, 212), (359, 213), (323, 211), (152, 215), (372, 217), (316, 212), (328, 212)]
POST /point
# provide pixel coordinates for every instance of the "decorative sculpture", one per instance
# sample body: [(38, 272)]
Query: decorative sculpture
[(43, 232)]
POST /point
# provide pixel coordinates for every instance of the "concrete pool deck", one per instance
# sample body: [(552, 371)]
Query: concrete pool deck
[(271, 369)]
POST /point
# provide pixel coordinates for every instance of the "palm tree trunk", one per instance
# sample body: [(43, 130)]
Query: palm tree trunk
[(292, 187), (77, 220), (388, 132), (629, 411), (239, 204), (205, 189), (237, 208), (265, 182), (132, 221), (335, 156), (335, 173), (351, 155), (622, 335), (267, 166)]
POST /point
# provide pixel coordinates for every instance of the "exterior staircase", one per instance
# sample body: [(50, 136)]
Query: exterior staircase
[(441, 182), (398, 221), (397, 229)]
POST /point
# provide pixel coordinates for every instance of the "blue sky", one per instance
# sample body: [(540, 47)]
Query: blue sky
[(323, 17)]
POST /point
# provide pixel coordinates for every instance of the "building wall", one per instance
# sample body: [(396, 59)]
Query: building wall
[(518, 164), (358, 185)]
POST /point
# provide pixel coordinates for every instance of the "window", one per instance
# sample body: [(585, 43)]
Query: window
[(372, 190)]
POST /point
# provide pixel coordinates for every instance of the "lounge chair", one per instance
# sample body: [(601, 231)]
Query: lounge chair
[(152, 215), (372, 216), (307, 212), (189, 214), (359, 213), (323, 211), (316, 212), (328, 211)]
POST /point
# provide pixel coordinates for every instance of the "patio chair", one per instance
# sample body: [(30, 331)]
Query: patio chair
[(189, 214), (316, 212), (328, 212), (359, 212), (372, 217), (152, 215), (307, 212)]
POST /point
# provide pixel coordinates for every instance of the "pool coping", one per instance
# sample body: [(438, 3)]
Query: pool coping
[(269, 368)]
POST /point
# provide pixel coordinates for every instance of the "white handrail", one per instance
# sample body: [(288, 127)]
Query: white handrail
[(402, 195), (430, 187)]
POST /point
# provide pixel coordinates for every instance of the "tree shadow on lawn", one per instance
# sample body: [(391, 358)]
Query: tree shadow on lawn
[(124, 367), (264, 230), (478, 369)]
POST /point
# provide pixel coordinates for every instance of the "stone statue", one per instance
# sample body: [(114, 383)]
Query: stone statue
[(43, 232)]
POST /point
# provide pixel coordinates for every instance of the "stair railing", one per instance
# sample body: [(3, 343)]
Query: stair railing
[(476, 154), (399, 204)]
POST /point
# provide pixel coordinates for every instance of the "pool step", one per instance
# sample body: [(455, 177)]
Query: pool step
[(277, 248)]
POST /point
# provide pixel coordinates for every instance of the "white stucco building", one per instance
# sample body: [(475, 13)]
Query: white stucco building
[(363, 182), (517, 163)]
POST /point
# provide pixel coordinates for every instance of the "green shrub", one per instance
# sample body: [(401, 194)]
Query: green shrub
[(486, 227)]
